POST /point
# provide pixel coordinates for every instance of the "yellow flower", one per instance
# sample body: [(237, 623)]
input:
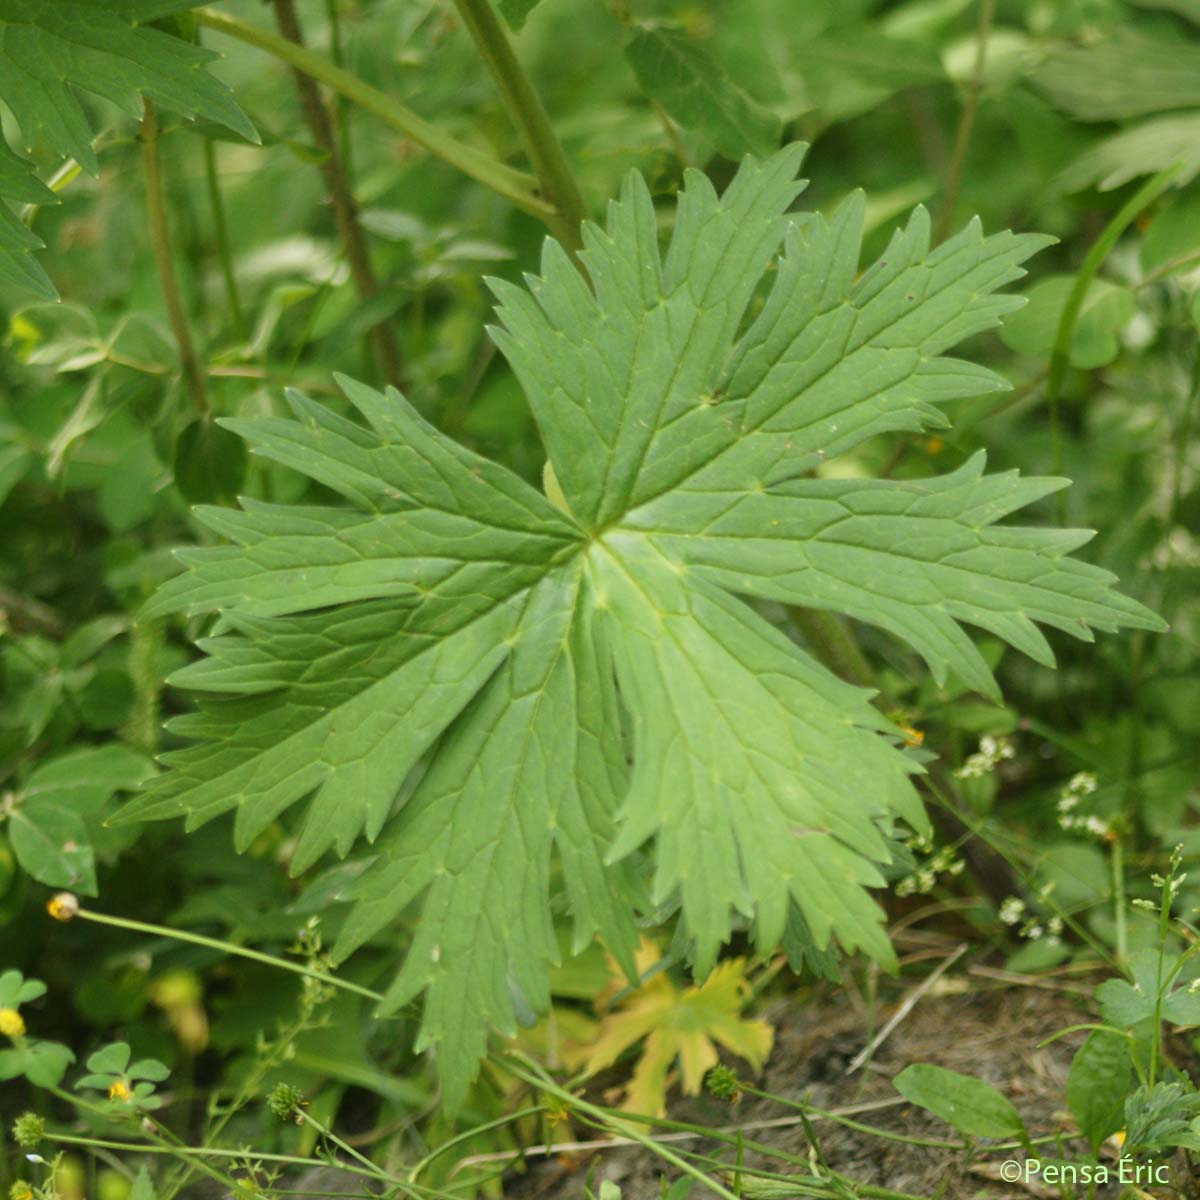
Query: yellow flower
[(912, 737), (20, 1190), (12, 1023), (119, 1090)]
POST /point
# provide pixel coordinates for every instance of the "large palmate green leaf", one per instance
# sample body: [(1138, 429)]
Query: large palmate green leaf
[(49, 48), (598, 717)]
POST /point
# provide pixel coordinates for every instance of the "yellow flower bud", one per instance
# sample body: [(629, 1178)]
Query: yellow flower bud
[(119, 1090), (63, 906)]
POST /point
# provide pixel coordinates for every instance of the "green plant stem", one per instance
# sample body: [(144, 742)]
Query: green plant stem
[(1120, 920), (145, 644), (529, 116), (341, 195), (1060, 355), (339, 107), (400, 1184), (475, 1130), (537, 1079), (194, 374), (265, 1061), (807, 1110), (966, 122), (183, 1151), (621, 1122), (164, 1141), (518, 187), (198, 939), (834, 645), (221, 237), (1164, 928), (836, 1187)]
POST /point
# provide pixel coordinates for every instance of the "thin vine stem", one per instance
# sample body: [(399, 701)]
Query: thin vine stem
[(529, 116), (341, 194), (518, 1065), (216, 204), (195, 378), (402, 1185), (607, 1119), (517, 186), (184, 1151), (849, 1123), (339, 108), (1060, 355), (468, 1134), (966, 121), (165, 1142), (199, 939)]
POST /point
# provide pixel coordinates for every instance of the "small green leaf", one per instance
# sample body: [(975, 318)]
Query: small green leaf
[(968, 1104), (1174, 234), (516, 11), (143, 1187), (1107, 308), (1124, 1004), (1100, 1078), (850, 69), (16, 990), (150, 1069), (42, 1063), (1142, 149), (110, 1060), (51, 842), (86, 777), (1185, 8), (1128, 75), (50, 49), (690, 84), (15, 460), (210, 462)]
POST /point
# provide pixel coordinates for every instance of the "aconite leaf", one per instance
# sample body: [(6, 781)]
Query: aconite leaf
[(532, 705)]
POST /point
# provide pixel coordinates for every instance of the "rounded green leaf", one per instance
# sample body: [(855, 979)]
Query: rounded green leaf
[(111, 1059), (1107, 308), (968, 1104), (210, 462), (1101, 1077)]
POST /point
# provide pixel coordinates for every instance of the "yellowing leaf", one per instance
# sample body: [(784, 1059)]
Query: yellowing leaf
[(680, 1025)]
